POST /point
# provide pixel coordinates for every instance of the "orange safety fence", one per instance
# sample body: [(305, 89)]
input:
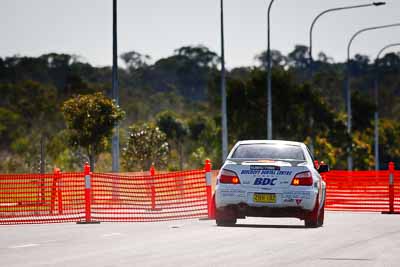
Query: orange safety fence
[(41, 198), (363, 191), (89, 197), (396, 200), (152, 197), (149, 196)]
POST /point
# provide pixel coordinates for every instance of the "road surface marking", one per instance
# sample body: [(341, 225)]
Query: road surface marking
[(24, 246)]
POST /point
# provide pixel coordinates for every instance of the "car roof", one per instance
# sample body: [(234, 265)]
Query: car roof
[(278, 142)]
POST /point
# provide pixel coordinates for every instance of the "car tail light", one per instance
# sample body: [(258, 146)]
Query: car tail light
[(302, 179), (228, 177)]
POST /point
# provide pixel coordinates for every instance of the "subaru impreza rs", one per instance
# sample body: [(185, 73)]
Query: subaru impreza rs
[(268, 178)]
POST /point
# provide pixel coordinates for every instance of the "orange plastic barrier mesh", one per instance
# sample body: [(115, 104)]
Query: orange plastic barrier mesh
[(136, 197), (361, 190), (397, 191), (143, 198), (41, 198)]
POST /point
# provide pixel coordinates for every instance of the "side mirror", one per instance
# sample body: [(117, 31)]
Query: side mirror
[(316, 164), (323, 168)]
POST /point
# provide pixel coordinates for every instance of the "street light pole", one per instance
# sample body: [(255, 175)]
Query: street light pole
[(311, 61), (328, 11), (348, 91), (115, 94), (223, 91), (269, 90), (376, 115)]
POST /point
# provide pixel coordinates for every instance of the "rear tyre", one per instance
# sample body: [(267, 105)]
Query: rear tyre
[(321, 217), (230, 222), (313, 219), (225, 217)]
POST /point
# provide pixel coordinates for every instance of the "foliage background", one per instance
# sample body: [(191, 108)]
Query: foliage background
[(181, 95)]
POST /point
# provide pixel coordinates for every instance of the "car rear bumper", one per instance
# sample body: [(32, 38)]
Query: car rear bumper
[(285, 199), (243, 210)]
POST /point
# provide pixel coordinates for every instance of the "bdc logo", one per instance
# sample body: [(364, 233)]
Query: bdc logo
[(265, 181)]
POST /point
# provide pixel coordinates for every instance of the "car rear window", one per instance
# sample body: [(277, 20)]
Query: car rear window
[(268, 151)]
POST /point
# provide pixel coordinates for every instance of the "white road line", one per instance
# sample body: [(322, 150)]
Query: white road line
[(112, 234), (25, 246)]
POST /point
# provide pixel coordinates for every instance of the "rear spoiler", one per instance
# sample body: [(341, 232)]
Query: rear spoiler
[(252, 161)]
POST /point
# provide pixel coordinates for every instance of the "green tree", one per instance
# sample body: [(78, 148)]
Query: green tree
[(62, 155), (32, 89), (277, 59), (176, 131), (28, 119), (325, 151), (204, 140), (363, 108), (186, 72), (33, 101), (197, 157), (90, 120), (362, 150), (146, 145), (389, 133), (200, 55), (10, 126), (294, 106), (298, 58), (134, 60)]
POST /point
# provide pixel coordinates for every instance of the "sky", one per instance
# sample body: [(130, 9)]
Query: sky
[(158, 27)]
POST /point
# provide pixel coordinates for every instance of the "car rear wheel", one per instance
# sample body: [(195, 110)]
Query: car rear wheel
[(321, 217), (316, 217), (225, 222), (225, 217)]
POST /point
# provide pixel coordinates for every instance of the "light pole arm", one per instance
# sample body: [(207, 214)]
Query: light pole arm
[(376, 69), (269, 29), (364, 30), (376, 115), (383, 49), (348, 91), (328, 11)]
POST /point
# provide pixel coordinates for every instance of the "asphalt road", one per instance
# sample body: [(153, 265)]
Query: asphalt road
[(347, 239)]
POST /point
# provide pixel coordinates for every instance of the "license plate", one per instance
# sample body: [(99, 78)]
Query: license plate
[(264, 198)]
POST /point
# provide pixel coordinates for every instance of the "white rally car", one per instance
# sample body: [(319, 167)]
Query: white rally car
[(268, 178)]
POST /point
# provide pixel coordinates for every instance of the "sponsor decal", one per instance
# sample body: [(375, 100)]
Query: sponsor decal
[(297, 195), (276, 172), (233, 193), (250, 172), (255, 167), (265, 181), (266, 172)]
